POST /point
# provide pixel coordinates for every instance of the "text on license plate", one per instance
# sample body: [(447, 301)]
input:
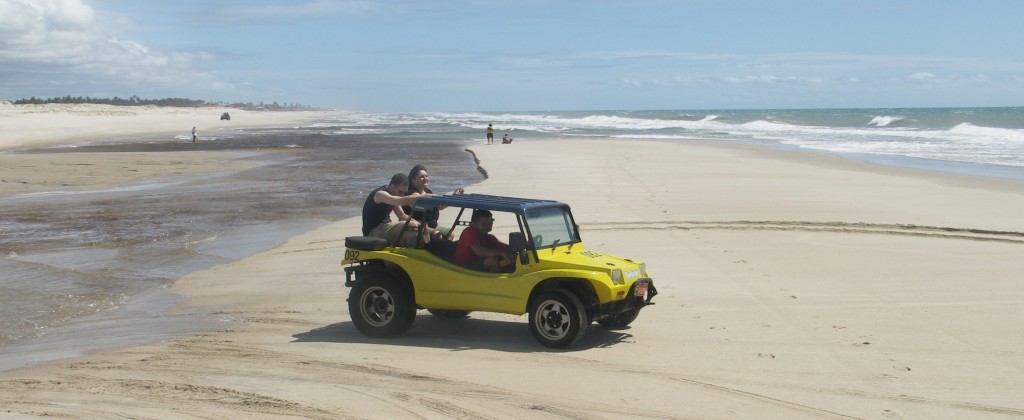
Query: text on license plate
[(641, 290)]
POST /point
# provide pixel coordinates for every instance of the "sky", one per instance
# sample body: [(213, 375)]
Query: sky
[(520, 55)]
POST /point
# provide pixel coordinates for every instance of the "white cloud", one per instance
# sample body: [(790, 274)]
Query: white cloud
[(923, 76), (62, 42), (645, 54), (761, 78), (305, 10), (26, 27)]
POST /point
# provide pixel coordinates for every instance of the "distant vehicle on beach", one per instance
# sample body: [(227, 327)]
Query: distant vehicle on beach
[(225, 116), (561, 285)]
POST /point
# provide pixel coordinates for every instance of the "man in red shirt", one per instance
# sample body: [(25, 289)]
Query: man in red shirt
[(480, 250)]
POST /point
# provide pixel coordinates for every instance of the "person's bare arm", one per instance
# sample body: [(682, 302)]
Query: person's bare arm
[(399, 212), (483, 251), (456, 191), (383, 196)]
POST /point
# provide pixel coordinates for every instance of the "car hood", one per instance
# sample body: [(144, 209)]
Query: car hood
[(586, 259)]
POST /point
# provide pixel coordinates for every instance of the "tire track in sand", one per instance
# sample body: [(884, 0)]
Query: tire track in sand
[(942, 232)]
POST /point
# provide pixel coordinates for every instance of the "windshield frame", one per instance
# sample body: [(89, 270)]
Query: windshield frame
[(556, 221)]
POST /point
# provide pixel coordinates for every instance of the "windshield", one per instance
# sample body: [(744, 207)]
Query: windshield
[(551, 226)]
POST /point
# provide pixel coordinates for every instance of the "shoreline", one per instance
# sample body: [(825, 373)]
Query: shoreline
[(50, 125), (68, 124), (792, 285), (988, 175)]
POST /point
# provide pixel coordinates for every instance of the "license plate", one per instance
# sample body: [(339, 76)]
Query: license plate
[(641, 290)]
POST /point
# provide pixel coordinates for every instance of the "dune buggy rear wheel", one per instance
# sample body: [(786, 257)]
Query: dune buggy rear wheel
[(380, 307), (558, 319)]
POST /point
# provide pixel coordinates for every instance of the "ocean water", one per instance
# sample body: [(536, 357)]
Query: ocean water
[(77, 266), (981, 141)]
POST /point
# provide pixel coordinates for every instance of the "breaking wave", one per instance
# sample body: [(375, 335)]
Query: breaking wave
[(885, 121)]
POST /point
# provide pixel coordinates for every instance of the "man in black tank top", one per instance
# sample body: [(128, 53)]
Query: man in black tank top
[(380, 204)]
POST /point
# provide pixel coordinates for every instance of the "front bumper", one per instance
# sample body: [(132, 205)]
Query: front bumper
[(639, 301), (632, 302)]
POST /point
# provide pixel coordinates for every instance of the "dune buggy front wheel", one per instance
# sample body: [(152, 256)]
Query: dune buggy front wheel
[(558, 319)]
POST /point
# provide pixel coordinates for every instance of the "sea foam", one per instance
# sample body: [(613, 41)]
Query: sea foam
[(885, 121)]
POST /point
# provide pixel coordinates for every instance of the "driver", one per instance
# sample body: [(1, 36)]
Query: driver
[(478, 249)]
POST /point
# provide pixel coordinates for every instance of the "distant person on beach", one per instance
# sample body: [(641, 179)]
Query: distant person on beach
[(506, 139), (381, 203), (194, 134), (418, 181), (478, 249), (490, 134)]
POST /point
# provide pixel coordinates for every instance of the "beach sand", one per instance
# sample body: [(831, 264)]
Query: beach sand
[(48, 125), (792, 285)]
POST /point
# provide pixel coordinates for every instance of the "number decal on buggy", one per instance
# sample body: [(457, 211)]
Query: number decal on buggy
[(351, 255)]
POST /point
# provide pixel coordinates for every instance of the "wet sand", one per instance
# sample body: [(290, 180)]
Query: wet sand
[(90, 233), (792, 285), (28, 173)]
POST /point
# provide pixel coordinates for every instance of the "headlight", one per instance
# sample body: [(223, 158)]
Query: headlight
[(617, 276), (643, 269)]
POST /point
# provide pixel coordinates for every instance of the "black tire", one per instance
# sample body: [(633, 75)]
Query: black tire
[(620, 320), (380, 307), (449, 313), (558, 319)]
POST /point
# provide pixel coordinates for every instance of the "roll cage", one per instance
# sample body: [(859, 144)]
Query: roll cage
[(535, 218)]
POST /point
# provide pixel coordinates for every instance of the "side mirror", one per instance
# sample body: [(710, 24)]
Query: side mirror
[(517, 243)]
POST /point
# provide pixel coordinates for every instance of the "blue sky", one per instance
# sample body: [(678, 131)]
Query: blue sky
[(522, 55)]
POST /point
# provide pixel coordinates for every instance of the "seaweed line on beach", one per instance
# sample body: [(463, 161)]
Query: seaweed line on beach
[(478, 167), (845, 227)]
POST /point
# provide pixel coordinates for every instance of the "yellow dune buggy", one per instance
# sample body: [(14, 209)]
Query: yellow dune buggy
[(561, 285)]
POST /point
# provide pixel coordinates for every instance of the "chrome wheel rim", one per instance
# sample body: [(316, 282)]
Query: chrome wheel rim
[(553, 320), (377, 306)]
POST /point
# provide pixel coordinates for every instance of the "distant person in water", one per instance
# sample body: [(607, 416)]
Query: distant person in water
[(194, 134), (490, 133)]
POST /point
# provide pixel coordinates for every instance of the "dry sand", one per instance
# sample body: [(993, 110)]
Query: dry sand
[(62, 124), (46, 124), (792, 285)]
